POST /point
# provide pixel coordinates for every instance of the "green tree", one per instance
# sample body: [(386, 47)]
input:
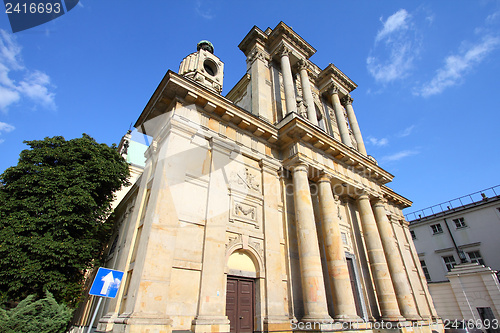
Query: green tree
[(53, 208), (41, 316)]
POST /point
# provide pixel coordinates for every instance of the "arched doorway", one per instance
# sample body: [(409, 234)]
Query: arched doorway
[(240, 292)]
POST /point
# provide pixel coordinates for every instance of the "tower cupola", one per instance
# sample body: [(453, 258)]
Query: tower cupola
[(204, 67)]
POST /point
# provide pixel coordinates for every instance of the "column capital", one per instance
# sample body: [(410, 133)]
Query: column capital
[(333, 89), (260, 54), (363, 196), (347, 100), (324, 177), (301, 166), (283, 51), (302, 64), (270, 167), (379, 202)]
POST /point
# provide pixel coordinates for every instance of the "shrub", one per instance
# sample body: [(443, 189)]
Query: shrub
[(36, 316)]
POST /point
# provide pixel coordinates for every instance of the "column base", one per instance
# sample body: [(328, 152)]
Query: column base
[(106, 323), (277, 324), (347, 318), (143, 322), (206, 324), (413, 317), (316, 324), (392, 318)]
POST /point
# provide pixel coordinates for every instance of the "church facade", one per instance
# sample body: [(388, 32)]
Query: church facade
[(261, 210)]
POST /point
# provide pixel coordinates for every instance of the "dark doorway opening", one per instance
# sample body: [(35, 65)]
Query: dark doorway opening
[(354, 287)]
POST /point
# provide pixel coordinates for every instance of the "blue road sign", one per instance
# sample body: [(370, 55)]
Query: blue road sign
[(106, 283)]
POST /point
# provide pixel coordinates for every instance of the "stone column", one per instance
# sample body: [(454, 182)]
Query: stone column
[(311, 272), (286, 70), (339, 115), (307, 93), (395, 263), (343, 298), (383, 285), (423, 281), (398, 227), (354, 124)]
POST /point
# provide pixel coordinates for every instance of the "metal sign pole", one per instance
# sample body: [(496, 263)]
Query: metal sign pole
[(106, 284), (94, 315)]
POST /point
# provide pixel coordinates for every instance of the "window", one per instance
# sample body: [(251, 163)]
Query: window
[(412, 233), (436, 229), (344, 238), (460, 222), (426, 271), (475, 256), (450, 262)]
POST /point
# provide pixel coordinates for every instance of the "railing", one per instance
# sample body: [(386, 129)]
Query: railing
[(451, 205)]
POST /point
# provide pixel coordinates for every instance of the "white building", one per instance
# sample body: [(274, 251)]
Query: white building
[(459, 250)]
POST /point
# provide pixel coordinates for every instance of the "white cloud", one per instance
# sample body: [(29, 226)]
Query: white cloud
[(378, 142), (34, 85), (399, 155), (457, 65), (4, 127), (407, 131), (204, 9), (492, 17), (7, 97), (396, 47), (397, 21)]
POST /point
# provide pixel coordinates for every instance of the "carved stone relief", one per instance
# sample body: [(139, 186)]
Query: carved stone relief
[(245, 179)]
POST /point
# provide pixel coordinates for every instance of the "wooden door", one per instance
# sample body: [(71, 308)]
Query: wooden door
[(240, 304)]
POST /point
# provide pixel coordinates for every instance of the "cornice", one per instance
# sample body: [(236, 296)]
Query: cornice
[(238, 87), (175, 86), (332, 73), (395, 198), (284, 32), (255, 35)]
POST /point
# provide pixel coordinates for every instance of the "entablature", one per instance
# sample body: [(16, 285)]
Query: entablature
[(400, 201), (331, 75), (295, 129)]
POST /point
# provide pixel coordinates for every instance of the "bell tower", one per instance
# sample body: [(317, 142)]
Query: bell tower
[(204, 67)]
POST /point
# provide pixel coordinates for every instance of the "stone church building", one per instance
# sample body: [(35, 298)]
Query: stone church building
[(260, 210)]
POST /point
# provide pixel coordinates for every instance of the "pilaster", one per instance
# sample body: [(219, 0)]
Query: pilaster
[(258, 62), (212, 302), (276, 318)]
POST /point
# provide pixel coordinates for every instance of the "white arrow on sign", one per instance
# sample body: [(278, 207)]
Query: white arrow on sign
[(108, 280)]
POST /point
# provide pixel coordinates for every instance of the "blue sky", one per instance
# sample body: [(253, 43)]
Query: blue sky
[(428, 74)]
